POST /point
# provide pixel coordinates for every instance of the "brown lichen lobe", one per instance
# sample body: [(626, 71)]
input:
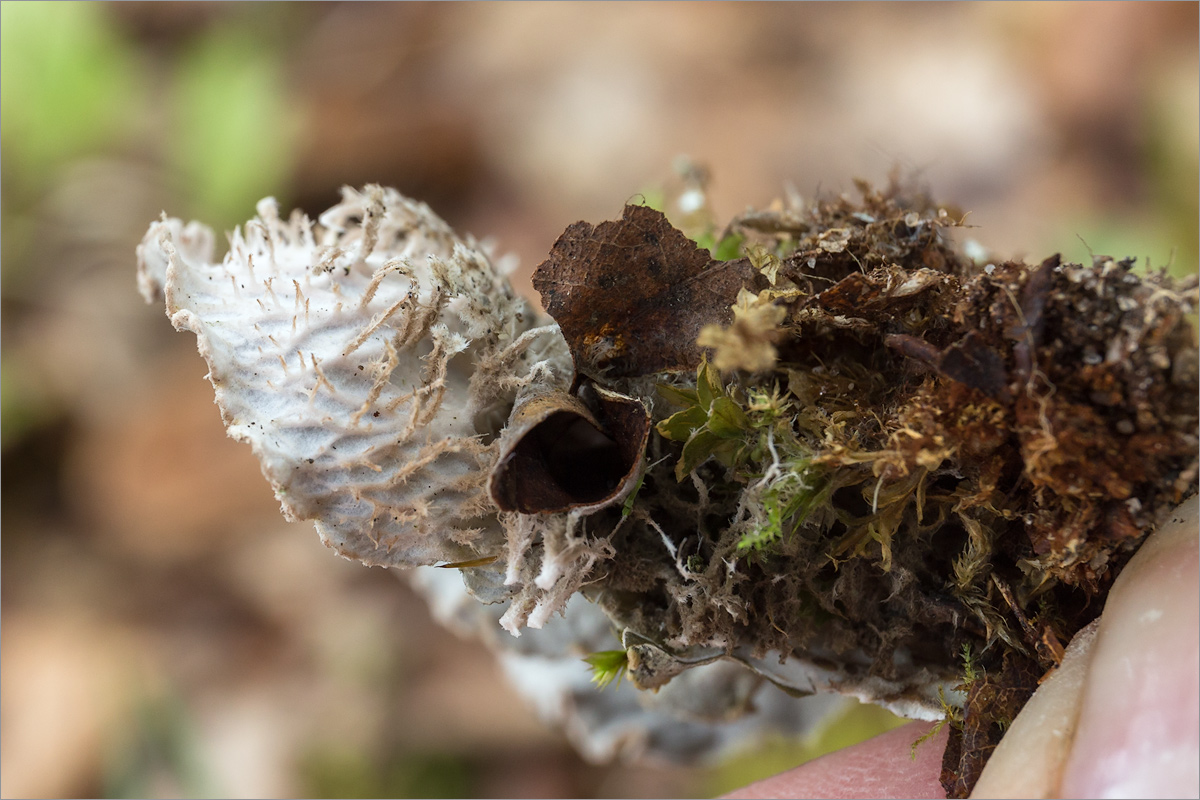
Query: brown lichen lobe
[(936, 454), (557, 454)]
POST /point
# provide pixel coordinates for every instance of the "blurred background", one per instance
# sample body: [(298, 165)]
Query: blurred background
[(164, 631)]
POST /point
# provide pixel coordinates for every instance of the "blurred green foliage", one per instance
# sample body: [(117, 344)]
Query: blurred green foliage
[(1174, 142), (856, 723), (1168, 232), (158, 749), (211, 111), (70, 86), (351, 773), (25, 403), (234, 130), (1155, 243)]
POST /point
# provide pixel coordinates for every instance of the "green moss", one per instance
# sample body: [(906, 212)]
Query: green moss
[(712, 422), (901, 474), (608, 666), (800, 491)]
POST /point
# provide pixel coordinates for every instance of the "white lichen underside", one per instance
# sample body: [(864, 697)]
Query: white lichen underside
[(366, 359)]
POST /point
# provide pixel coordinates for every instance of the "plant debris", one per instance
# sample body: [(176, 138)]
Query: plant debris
[(632, 296), (841, 457), (895, 452)]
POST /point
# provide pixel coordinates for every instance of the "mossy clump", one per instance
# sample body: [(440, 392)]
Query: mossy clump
[(883, 452)]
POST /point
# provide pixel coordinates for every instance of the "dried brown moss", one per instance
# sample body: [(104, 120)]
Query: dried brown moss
[(906, 453)]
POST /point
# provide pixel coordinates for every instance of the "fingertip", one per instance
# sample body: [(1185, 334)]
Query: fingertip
[(1139, 721), (1029, 760), (882, 767)]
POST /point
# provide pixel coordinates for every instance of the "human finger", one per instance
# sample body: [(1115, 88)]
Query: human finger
[(1121, 716), (880, 767)]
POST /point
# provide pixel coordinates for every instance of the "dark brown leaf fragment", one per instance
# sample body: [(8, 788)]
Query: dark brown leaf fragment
[(851, 295), (1028, 332), (632, 295), (971, 361)]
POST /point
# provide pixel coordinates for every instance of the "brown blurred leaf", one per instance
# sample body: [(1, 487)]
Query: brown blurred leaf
[(632, 295)]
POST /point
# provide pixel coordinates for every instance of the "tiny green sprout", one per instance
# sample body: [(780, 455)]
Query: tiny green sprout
[(627, 506), (970, 673), (712, 422), (608, 666), (766, 406), (952, 716)]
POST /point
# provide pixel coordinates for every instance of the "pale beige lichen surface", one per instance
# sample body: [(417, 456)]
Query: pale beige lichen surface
[(368, 359)]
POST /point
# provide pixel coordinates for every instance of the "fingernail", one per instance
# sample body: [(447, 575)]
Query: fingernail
[(1139, 723), (1029, 760)]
